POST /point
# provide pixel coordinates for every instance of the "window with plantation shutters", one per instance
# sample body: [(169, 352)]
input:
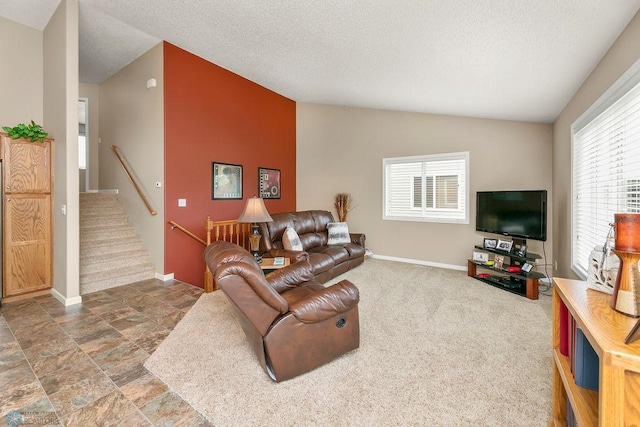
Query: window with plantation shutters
[(427, 188), (606, 167)]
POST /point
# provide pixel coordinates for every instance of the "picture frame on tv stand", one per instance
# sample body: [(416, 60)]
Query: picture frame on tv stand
[(504, 245), (480, 256), (490, 243)]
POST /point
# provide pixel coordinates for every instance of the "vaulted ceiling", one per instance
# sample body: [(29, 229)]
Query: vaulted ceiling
[(504, 59)]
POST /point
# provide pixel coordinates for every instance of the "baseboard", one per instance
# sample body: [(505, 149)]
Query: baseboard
[(420, 262), (64, 300), (164, 277)]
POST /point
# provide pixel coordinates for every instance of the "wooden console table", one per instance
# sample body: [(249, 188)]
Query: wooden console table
[(617, 403)]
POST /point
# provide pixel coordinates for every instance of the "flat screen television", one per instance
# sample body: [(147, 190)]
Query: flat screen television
[(521, 214)]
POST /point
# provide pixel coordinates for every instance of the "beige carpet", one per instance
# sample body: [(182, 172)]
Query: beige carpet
[(437, 349)]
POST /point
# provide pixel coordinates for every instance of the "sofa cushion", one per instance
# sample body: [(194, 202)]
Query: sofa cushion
[(355, 250), (304, 222), (312, 240), (320, 262), (338, 233), (291, 240), (337, 253)]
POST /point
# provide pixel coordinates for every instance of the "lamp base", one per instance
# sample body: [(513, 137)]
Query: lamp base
[(254, 242)]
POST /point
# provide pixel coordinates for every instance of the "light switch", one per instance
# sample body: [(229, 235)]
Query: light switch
[(182, 203)]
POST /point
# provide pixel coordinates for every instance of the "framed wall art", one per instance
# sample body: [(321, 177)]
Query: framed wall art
[(226, 181), (269, 183)]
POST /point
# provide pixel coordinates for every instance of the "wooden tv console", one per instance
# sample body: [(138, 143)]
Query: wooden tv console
[(521, 283)]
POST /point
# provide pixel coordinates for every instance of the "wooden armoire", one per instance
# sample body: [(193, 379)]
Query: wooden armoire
[(27, 240)]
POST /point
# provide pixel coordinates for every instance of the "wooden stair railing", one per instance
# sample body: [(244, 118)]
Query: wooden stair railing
[(230, 231), (187, 232), (133, 181)]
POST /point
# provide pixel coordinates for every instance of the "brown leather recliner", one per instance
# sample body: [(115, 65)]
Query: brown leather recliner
[(293, 323)]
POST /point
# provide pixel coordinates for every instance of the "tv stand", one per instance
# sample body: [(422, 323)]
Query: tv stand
[(521, 283)]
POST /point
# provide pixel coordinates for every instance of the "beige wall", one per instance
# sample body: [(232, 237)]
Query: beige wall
[(624, 53), (21, 73), (60, 49), (92, 93), (340, 149), (132, 118)]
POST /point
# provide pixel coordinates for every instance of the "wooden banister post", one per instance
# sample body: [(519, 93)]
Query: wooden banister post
[(209, 286)]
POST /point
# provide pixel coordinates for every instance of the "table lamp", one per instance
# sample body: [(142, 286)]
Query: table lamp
[(255, 212)]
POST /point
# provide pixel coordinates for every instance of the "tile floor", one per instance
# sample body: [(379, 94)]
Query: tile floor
[(83, 365)]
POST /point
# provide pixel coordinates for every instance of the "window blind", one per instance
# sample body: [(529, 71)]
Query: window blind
[(427, 188), (606, 171)]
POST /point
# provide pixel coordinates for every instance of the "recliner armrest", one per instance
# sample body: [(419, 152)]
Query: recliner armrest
[(290, 276), (358, 238), (324, 304), (294, 256)]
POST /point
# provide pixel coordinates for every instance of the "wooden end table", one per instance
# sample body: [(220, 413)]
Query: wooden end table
[(267, 264)]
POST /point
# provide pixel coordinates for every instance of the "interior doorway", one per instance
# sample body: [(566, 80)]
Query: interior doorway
[(83, 137)]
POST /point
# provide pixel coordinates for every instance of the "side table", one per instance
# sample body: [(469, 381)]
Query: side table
[(267, 264)]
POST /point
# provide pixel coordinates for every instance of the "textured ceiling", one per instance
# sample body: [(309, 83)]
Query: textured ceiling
[(505, 59)]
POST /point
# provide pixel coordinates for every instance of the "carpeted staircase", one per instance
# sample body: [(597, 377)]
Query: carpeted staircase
[(111, 253)]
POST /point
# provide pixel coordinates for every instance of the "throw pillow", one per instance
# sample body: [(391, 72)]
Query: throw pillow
[(291, 240), (338, 233)]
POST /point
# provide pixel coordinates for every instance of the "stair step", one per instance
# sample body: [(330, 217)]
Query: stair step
[(117, 260), (94, 282), (116, 272), (104, 220), (92, 211), (88, 197), (109, 246), (111, 203), (106, 232)]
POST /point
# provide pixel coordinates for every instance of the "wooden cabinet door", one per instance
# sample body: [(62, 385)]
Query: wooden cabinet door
[(27, 165), (27, 243), (27, 223)]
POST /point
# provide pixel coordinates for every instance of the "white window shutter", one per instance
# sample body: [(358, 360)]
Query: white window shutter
[(606, 171), (427, 188)]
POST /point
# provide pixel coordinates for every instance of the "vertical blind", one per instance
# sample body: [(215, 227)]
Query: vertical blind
[(606, 172), (427, 188)]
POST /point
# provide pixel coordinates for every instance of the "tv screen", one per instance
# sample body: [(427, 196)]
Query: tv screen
[(521, 214)]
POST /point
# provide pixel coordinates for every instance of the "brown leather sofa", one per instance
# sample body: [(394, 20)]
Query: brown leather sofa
[(293, 323), (327, 261)]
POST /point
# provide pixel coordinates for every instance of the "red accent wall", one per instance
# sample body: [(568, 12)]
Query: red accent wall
[(212, 114)]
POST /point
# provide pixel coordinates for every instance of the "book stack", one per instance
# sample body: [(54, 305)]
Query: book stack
[(583, 360)]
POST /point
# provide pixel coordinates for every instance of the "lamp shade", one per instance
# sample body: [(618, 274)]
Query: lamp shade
[(255, 211)]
